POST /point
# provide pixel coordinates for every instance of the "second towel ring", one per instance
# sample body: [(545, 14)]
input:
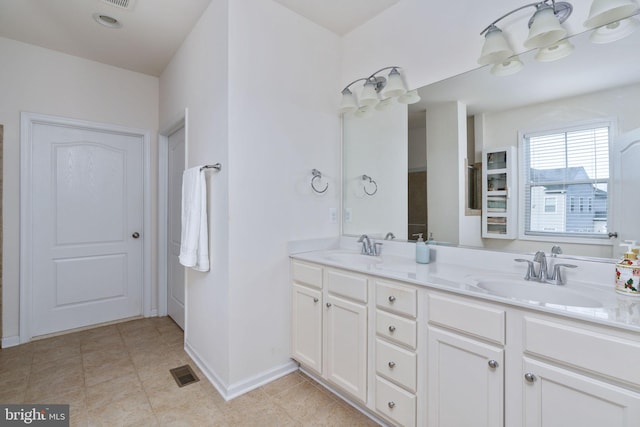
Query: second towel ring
[(317, 175), (371, 181)]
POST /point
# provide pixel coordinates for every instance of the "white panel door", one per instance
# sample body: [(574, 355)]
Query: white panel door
[(626, 176), (87, 202), (465, 381), (175, 270), (306, 339), (556, 397), (346, 346)]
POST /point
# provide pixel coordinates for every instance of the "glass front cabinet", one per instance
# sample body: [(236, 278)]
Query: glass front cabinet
[(499, 193)]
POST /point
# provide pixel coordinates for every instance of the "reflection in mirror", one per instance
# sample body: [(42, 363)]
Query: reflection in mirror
[(459, 117)]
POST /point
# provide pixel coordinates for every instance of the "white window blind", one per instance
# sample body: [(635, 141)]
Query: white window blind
[(566, 182)]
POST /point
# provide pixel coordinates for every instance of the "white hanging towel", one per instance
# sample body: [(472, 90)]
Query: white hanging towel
[(194, 244)]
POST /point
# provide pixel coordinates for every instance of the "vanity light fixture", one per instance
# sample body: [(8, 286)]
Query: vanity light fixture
[(377, 92), (612, 20), (545, 30), (545, 33)]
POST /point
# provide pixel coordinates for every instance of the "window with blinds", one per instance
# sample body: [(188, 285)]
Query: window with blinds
[(566, 182)]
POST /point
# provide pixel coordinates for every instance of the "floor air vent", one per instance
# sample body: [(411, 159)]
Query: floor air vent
[(184, 375)]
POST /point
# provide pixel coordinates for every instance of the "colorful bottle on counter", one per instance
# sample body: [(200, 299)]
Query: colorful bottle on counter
[(628, 270)]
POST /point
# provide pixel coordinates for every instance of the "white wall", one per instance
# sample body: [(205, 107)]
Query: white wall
[(376, 146), (283, 75), (446, 128), (259, 82), (196, 78), (48, 82)]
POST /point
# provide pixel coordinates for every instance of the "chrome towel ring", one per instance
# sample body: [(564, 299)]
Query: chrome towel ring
[(371, 181), (317, 175)]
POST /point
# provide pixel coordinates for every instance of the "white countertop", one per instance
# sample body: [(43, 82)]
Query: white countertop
[(616, 310)]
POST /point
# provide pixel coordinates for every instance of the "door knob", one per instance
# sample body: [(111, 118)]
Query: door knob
[(135, 235), (493, 364), (529, 377)]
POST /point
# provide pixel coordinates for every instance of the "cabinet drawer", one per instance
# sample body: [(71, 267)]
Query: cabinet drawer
[(480, 321), (395, 403), (396, 364), (308, 274), (396, 298), (347, 284), (608, 355), (396, 328)]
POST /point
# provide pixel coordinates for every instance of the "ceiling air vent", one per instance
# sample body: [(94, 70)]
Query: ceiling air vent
[(121, 4)]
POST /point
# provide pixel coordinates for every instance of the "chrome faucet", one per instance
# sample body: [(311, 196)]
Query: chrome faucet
[(368, 248), (541, 257), (389, 236), (555, 278)]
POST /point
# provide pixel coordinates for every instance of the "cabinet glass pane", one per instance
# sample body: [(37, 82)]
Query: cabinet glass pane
[(497, 182), (497, 160)]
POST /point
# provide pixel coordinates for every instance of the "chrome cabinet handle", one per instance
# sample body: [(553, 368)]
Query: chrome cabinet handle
[(135, 235), (392, 328), (315, 300), (529, 377), (392, 298), (392, 364), (493, 364), (328, 304), (391, 404)]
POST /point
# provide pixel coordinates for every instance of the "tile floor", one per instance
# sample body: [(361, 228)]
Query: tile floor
[(118, 375)]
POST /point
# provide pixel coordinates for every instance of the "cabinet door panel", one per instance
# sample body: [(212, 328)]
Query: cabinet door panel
[(464, 390), (346, 346), (560, 398), (307, 327)]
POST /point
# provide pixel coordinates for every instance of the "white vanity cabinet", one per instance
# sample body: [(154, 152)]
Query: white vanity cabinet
[(329, 325), (574, 374), (396, 358), (465, 362)]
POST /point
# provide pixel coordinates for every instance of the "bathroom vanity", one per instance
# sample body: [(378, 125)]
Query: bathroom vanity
[(446, 344)]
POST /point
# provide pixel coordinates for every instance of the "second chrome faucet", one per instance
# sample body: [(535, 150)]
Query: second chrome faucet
[(369, 248), (542, 275)]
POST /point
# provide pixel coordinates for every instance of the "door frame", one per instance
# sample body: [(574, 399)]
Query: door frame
[(27, 120), (182, 120)]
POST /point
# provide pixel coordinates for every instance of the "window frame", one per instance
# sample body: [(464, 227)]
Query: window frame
[(522, 158)]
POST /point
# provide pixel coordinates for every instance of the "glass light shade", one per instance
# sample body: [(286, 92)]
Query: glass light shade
[(603, 12), (395, 85), (385, 104), (495, 48), (508, 67), (614, 31), (363, 111), (554, 52), (369, 96), (411, 97), (545, 29), (349, 103)]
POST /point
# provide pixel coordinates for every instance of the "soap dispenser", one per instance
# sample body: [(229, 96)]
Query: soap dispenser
[(422, 250)]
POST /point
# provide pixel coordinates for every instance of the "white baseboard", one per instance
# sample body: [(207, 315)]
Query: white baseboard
[(229, 392), (10, 341)]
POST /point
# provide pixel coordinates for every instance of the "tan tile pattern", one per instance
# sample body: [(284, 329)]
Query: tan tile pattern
[(118, 375)]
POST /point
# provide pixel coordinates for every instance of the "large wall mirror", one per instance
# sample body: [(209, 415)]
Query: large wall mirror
[(410, 170)]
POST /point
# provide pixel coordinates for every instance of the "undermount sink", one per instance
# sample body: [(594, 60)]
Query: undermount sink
[(352, 258), (529, 291)]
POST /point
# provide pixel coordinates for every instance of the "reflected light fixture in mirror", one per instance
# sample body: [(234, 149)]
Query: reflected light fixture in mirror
[(377, 92)]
